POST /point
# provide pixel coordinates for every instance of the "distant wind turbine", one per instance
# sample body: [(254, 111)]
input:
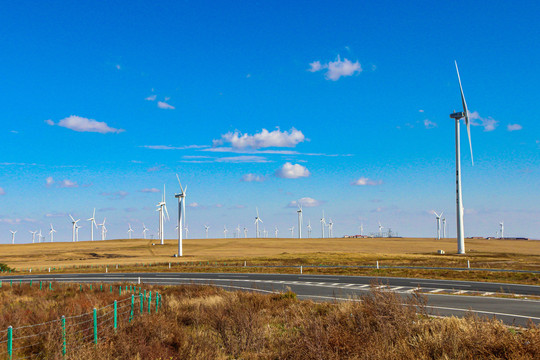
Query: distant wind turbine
[(300, 220), (13, 236), (130, 230), (92, 224), (51, 233), (380, 229), (145, 229), (275, 232), (74, 223), (225, 231), (323, 224), (438, 217), (206, 227), (309, 229), (162, 209), (291, 229), (257, 220), (181, 213), (103, 229), (501, 233), (33, 235)]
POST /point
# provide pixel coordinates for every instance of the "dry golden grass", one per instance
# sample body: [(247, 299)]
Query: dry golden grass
[(510, 254)]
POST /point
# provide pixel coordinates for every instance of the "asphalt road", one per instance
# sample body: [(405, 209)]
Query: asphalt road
[(347, 288)]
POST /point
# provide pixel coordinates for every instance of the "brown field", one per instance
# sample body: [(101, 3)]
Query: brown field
[(505, 254)]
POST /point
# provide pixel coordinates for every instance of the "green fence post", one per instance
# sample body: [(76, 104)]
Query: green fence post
[(0, 283), (141, 301), (63, 335), (115, 314), (101, 287), (149, 300), (30, 283), (50, 285), (90, 286), (40, 284), (10, 342), (111, 289), (95, 326), (11, 283), (20, 282), (132, 307), (157, 301), (80, 287), (120, 290)]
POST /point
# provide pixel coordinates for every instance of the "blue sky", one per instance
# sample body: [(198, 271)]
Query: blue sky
[(343, 105)]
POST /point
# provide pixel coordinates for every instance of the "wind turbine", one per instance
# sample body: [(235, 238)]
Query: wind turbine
[(323, 223), (438, 217), (162, 208), (33, 235), (103, 229), (186, 230), (145, 229), (291, 229), (457, 116), (257, 220), (501, 224), (361, 229), (265, 233), (74, 223), (300, 220), (245, 232), (309, 229), (51, 233), (13, 236), (40, 236), (276, 231), (238, 231), (330, 229), (181, 211), (444, 228), (206, 227), (380, 229), (225, 231), (130, 230), (77, 227), (92, 224)]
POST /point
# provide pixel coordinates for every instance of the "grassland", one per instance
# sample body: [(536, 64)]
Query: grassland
[(230, 254), (197, 322)]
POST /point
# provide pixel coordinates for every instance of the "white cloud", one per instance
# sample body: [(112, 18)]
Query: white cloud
[(429, 124), (81, 124), (169, 147), (290, 171), (304, 202), (264, 139), (164, 105), (117, 195), (364, 181), (336, 69), (489, 124), (118, 67), (2, 192), (514, 127), (68, 184), (149, 190), (151, 98), (49, 181), (421, 110), (252, 178), (243, 159), (194, 205), (56, 215)]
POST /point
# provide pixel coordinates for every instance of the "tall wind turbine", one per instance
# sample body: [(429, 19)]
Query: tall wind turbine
[(457, 116), (225, 231), (74, 223), (330, 229), (444, 228), (130, 230), (145, 229), (51, 233), (438, 217), (245, 232), (40, 236), (300, 220), (186, 230), (13, 236), (92, 224), (33, 236), (103, 229), (257, 220), (206, 227), (501, 224), (238, 231), (323, 223), (361, 229), (275, 232), (181, 213), (77, 227), (162, 208), (380, 229), (309, 229)]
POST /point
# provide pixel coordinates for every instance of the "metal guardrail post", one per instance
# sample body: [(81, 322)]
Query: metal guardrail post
[(115, 314), (10, 342), (64, 336), (149, 301), (95, 326), (141, 302), (132, 307)]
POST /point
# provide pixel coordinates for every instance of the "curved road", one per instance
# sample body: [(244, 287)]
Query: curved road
[(347, 288)]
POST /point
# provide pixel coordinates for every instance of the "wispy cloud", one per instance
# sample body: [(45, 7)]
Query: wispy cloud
[(49, 181), (117, 195), (305, 202), (68, 184), (149, 190), (428, 124), (2, 191), (514, 127), (169, 147), (290, 171), (242, 159), (364, 181), (489, 124), (252, 178), (164, 105), (263, 139), (15, 221), (56, 215), (151, 98), (155, 168), (81, 124), (336, 69)]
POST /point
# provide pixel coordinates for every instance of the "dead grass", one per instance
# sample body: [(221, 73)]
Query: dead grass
[(201, 322)]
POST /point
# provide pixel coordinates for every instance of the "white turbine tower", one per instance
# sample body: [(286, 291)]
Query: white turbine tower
[(330, 229), (323, 224), (444, 228), (74, 223), (103, 229), (162, 209), (206, 227), (181, 214), (501, 224), (238, 230), (291, 229), (186, 230), (257, 220), (33, 236), (130, 230), (361, 229), (457, 116), (51, 233), (92, 224), (225, 231), (438, 217), (309, 229), (380, 229), (13, 236), (275, 232), (40, 236), (77, 227), (245, 232), (145, 229), (300, 220)]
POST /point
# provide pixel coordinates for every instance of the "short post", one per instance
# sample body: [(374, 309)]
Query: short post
[(11, 283), (157, 301), (95, 326), (106, 269), (141, 301), (468, 264), (139, 281), (0, 283), (169, 265), (377, 264), (80, 287), (40, 284), (30, 269), (111, 288), (90, 286), (115, 314), (120, 290), (49, 269), (101, 287), (50, 285), (63, 335), (117, 266), (149, 301), (30, 283), (245, 263), (301, 269), (10, 342), (132, 307)]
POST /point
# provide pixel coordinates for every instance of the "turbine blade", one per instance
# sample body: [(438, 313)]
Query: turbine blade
[(71, 217), (465, 111), (469, 134)]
